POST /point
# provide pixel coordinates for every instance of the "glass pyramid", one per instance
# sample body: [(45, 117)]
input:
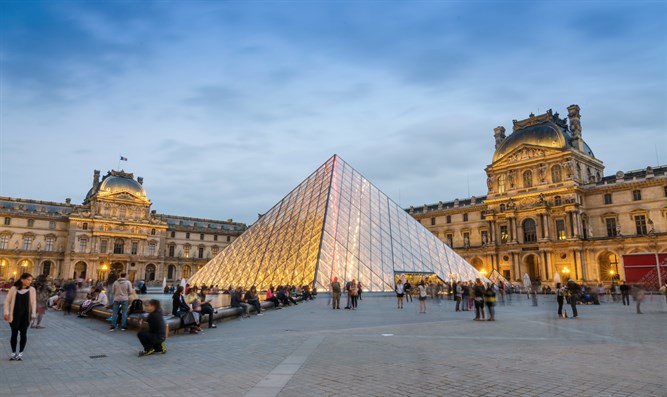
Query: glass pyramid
[(334, 224)]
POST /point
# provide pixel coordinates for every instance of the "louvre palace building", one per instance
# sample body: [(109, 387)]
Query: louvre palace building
[(113, 229), (551, 209)]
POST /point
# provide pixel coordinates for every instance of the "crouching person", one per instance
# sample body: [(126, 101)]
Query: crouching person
[(153, 339)]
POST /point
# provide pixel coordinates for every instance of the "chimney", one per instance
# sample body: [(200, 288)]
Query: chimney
[(499, 134), (140, 180)]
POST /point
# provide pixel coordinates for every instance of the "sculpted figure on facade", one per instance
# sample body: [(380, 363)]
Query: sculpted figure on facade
[(489, 183), (499, 134), (568, 166), (542, 172), (510, 178), (575, 123)]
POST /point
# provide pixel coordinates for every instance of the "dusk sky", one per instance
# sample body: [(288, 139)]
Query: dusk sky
[(224, 107)]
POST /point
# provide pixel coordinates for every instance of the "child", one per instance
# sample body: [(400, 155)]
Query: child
[(153, 338)]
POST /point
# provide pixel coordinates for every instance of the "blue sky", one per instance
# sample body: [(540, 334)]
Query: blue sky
[(223, 107)]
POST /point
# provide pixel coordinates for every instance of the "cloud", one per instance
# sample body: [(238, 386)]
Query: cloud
[(224, 107)]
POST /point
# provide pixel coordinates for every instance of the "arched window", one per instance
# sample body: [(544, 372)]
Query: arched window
[(501, 184), (170, 272), (528, 179), (150, 272), (556, 174), (529, 231), (502, 207), (118, 246), (186, 271), (557, 200)]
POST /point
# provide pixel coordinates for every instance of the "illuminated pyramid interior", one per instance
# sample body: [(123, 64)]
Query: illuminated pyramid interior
[(334, 224)]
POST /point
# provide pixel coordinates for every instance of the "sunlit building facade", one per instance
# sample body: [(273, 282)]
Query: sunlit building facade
[(113, 228), (551, 209), (334, 224)]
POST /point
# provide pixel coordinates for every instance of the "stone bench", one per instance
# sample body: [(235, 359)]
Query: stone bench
[(173, 322)]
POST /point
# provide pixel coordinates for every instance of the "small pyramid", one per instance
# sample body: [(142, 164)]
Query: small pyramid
[(333, 224)]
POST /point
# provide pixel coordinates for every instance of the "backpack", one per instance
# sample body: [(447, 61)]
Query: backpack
[(137, 306)]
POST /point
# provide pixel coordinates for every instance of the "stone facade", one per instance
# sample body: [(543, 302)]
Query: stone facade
[(549, 208), (114, 228)]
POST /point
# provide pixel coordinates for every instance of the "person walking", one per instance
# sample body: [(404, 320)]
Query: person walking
[(43, 290), (560, 297), (458, 295), (347, 290), (464, 296), (625, 294), (153, 338), (359, 289), (353, 292), (490, 301), (19, 309), (478, 293), (638, 294), (423, 294), (121, 290), (400, 291), (335, 294), (572, 293), (70, 295), (408, 291)]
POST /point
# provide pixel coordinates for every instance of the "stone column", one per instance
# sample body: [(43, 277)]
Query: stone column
[(492, 232), (569, 224), (546, 226), (516, 265), (545, 267), (576, 220)]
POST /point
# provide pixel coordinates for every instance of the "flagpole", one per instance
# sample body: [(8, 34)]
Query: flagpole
[(118, 169)]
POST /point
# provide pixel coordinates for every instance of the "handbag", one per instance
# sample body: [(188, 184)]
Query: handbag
[(191, 318)]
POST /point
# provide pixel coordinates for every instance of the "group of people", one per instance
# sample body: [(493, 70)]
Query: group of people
[(352, 288), (190, 305)]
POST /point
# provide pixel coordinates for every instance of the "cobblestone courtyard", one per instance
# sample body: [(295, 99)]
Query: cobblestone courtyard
[(377, 350)]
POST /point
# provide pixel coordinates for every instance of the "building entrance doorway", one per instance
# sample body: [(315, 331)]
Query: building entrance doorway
[(80, 270), (417, 277), (118, 268), (531, 266)]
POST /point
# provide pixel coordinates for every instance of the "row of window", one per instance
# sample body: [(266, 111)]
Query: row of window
[(31, 223), (530, 231), (27, 242), (187, 251), (636, 196), (465, 218), (202, 236), (641, 226), (84, 226)]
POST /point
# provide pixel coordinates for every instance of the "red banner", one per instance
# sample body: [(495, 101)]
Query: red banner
[(644, 269)]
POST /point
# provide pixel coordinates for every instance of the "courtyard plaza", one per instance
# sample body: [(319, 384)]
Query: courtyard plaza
[(376, 350)]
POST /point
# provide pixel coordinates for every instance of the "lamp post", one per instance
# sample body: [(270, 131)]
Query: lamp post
[(566, 272)]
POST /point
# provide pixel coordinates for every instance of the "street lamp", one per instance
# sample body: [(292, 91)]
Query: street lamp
[(566, 272)]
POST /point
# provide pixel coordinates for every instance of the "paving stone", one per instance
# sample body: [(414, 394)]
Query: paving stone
[(377, 350)]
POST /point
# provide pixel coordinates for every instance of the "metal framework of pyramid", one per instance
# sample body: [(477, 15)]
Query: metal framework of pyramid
[(334, 224)]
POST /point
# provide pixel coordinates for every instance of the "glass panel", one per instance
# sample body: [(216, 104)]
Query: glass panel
[(365, 236)]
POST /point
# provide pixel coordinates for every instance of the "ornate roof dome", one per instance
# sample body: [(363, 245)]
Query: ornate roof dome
[(121, 182), (546, 130)]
